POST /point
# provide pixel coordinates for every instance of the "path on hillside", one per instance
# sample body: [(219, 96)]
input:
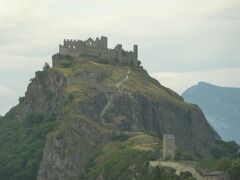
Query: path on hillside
[(106, 106), (110, 99), (180, 167), (122, 80)]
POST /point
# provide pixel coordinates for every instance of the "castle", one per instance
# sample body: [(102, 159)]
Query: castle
[(99, 48), (169, 146)]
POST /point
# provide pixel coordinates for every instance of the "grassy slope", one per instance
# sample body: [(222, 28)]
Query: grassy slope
[(139, 81), (124, 158)]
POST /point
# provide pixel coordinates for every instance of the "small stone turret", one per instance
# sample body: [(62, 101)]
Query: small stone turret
[(104, 42), (99, 48), (135, 50)]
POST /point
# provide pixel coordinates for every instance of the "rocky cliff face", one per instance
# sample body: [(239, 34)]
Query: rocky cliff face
[(99, 106)]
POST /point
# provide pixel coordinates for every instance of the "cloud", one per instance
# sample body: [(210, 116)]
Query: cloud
[(228, 77), (6, 92), (15, 73), (175, 37), (7, 99), (21, 63)]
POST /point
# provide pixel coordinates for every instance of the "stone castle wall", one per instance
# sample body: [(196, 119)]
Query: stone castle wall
[(99, 48)]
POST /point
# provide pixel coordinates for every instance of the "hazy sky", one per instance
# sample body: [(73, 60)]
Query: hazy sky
[(180, 42)]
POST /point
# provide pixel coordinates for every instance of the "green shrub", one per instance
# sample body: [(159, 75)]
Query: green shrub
[(119, 137), (33, 118), (225, 149), (186, 175), (178, 154), (66, 64), (223, 164), (234, 169), (21, 99)]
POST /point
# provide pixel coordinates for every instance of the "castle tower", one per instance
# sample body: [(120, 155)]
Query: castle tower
[(104, 42), (119, 51), (135, 51), (169, 146)]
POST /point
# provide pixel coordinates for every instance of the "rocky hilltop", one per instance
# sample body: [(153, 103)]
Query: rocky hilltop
[(89, 119)]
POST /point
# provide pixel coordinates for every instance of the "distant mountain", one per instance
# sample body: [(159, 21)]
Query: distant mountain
[(221, 106)]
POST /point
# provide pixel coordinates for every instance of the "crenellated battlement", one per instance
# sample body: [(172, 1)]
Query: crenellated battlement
[(99, 48)]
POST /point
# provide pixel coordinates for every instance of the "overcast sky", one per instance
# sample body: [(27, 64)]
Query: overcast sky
[(180, 42)]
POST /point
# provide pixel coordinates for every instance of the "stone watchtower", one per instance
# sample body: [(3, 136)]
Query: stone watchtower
[(169, 146)]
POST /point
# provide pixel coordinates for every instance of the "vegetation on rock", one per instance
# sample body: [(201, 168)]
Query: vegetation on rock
[(57, 131), (22, 145)]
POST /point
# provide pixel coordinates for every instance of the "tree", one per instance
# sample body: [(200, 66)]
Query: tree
[(21, 99), (234, 170), (156, 174), (186, 176), (178, 154), (223, 164)]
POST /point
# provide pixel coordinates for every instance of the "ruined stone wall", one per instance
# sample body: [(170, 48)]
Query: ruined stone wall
[(129, 57), (76, 51), (98, 48)]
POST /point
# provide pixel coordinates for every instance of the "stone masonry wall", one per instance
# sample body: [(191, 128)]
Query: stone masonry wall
[(99, 49)]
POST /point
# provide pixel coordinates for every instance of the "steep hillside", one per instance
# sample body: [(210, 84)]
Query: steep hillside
[(87, 119), (221, 105)]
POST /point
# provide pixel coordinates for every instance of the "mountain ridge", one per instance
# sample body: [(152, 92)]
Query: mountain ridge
[(220, 105)]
